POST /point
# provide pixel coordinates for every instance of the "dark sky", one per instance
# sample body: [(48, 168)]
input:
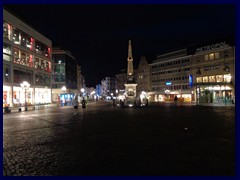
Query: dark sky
[(98, 35)]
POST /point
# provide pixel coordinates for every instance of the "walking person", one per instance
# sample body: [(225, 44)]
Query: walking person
[(83, 103), (75, 105)]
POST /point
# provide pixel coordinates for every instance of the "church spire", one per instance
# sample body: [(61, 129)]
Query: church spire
[(130, 62)]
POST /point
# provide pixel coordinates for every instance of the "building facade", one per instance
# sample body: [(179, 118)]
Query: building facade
[(121, 79), (65, 76), (27, 56), (143, 76), (108, 86), (213, 69), (170, 77)]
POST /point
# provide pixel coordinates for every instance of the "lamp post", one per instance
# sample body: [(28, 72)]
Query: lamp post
[(25, 85), (82, 91), (64, 89)]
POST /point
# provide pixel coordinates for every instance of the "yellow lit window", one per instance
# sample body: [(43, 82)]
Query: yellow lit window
[(211, 56), (219, 78), (217, 55), (205, 79), (227, 77), (199, 79), (212, 79)]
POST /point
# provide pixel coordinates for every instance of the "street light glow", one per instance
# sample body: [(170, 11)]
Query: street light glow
[(25, 84), (64, 88)]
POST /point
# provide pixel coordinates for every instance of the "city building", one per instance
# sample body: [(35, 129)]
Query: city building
[(66, 77), (98, 91), (27, 57), (108, 87), (213, 70), (170, 77), (121, 79), (143, 76)]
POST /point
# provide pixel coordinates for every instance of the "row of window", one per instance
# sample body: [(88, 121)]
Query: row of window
[(21, 38), (25, 59), (217, 78), (178, 87), (171, 63), (172, 71), (142, 71), (171, 79), (20, 75), (211, 56), (212, 67)]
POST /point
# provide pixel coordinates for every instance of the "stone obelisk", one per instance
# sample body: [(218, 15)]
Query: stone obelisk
[(130, 78), (130, 86)]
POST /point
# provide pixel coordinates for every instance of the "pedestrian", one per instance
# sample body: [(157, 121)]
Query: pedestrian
[(83, 103), (75, 105), (175, 99)]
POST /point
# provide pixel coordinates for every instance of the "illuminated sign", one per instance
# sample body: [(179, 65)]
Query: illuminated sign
[(168, 83), (213, 46), (190, 80)]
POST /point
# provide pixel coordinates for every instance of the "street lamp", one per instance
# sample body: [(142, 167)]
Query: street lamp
[(82, 90), (64, 88), (25, 85)]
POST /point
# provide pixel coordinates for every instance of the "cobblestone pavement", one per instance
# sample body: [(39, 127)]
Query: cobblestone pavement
[(106, 140)]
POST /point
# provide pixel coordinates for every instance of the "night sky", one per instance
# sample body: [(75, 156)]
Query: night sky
[(97, 35)]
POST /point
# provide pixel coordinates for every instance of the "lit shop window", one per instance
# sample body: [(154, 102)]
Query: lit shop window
[(211, 56), (16, 36), (16, 56), (42, 65), (212, 79), (199, 79), (205, 79), (6, 31), (42, 49), (219, 78), (26, 40), (22, 57), (227, 77)]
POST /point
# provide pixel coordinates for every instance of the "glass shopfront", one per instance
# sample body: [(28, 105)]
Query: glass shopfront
[(66, 99), (216, 94), (7, 96), (17, 96), (215, 89), (21, 95), (42, 95)]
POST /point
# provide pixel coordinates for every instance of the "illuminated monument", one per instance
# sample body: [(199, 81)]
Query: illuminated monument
[(130, 86)]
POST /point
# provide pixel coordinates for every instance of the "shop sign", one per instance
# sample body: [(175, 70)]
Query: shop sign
[(168, 83), (211, 47), (190, 80)]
